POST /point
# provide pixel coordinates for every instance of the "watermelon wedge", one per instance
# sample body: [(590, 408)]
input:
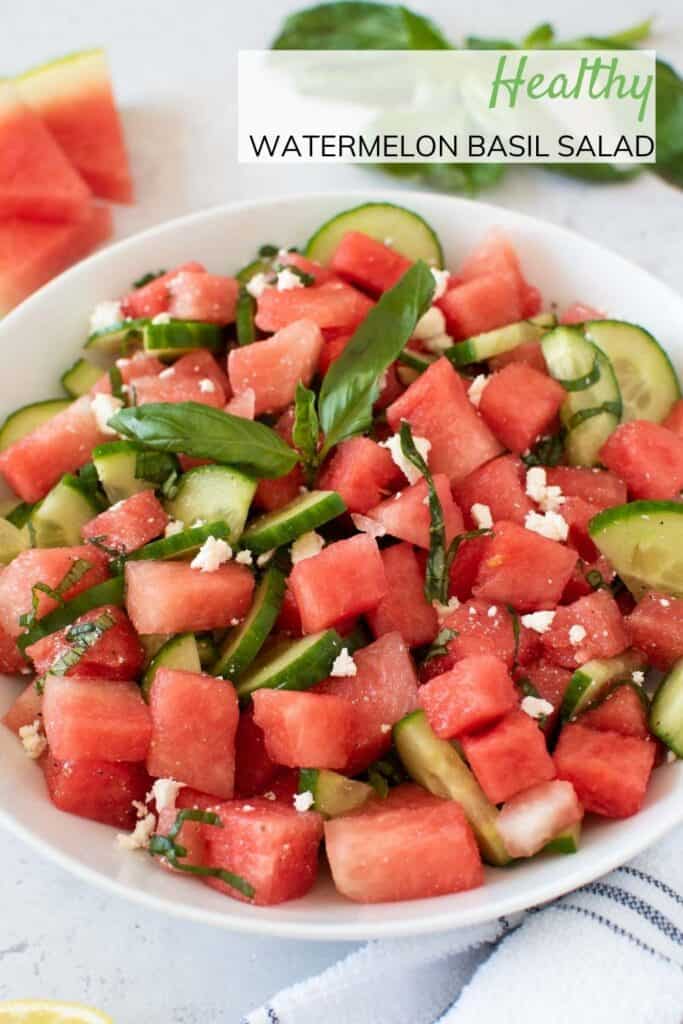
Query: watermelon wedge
[(75, 100), (36, 178)]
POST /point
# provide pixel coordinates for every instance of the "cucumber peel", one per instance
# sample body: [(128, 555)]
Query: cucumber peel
[(409, 233), (28, 418), (180, 652), (243, 643), (643, 541), (292, 665), (590, 683), (333, 794), (183, 544), (481, 347), (306, 513)]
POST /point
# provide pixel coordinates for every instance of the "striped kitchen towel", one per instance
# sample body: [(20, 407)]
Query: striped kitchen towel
[(608, 953)]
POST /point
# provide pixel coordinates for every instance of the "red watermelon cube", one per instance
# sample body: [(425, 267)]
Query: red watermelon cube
[(655, 626), (624, 710), (404, 609), (437, 407), (190, 836), (254, 769), (362, 472), (495, 254), (360, 582), (206, 297), (169, 386), (96, 789), (481, 628), (316, 270), (118, 653), (579, 312), (406, 514), (129, 524), (273, 494), (465, 566), (370, 264), (172, 597), (533, 817), (674, 421), (529, 353), (130, 368), (648, 456), (332, 304), (550, 682), (520, 405), (200, 364), (609, 772), (273, 368), (313, 730), (194, 721), (509, 757), (591, 627), (598, 486), (271, 846), (89, 718), (410, 846), (482, 304), (523, 569), (26, 708), (12, 660), (153, 298), (383, 690), (476, 692), (499, 484)]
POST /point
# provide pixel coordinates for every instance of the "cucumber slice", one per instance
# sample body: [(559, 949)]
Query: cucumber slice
[(181, 545), (666, 714), (210, 493), (20, 514), (409, 233), (643, 541), (648, 382), (436, 765), (417, 361), (121, 468), (22, 421), (13, 540), (180, 652), (243, 644), (109, 592), (481, 347), (592, 409), (152, 644), (180, 337), (289, 522), (117, 339), (80, 377), (292, 665), (565, 842), (590, 683), (333, 794), (261, 265), (57, 520), (208, 651)]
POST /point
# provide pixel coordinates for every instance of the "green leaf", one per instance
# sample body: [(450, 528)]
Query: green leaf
[(598, 174), (165, 846), (351, 384), (539, 37), (468, 179), (436, 575), (148, 278), (547, 452), (244, 317), (206, 433), (669, 115), (306, 429), (359, 26), (439, 646), (480, 43)]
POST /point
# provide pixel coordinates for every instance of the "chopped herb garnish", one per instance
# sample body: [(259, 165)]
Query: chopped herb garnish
[(80, 638), (76, 573), (596, 580), (548, 452), (268, 251), (165, 846), (306, 430), (155, 467), (436, 576), (116, 382), (439, 646), (385, 773), (516, 629), (306, 279), (148, 278), (116, 556)]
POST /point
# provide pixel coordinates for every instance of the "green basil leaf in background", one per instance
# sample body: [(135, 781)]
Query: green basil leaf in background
[(598, 174), (358, 26), (480, 43), (351, 384), (542, 35), (465, 178), (206, 433), (669, 93), (306, 429)]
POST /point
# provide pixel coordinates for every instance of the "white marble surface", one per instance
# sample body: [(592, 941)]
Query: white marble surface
[(174, 68)]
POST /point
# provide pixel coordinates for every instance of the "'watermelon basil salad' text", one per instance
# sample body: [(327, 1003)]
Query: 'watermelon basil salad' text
[(348, 547)]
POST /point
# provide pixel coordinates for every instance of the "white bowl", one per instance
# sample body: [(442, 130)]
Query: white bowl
[(39, 340)]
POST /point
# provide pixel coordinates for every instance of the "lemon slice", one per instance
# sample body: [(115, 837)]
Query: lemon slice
[(49, 1011)]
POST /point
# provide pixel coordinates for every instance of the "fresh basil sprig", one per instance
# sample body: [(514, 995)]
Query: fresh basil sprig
[(79, 638), (73, 576), (436, 576), (206, 433), (306, 429), (352, 382), (166, 846)]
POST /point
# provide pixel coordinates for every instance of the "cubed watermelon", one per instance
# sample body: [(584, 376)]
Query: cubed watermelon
[(200, 364), (499, 484), (370, 264), (362, 472), (96, 789), (331, 351), (153, 298), (533, 817), (579, 582), (624, 710), (406, 514), (314, 730), (495, 254), (523, 569), (579, 312), (509, 757), (591, 627), (360, 582), (118, 653), (520, 405), (207, 297), (243, 405), (577, 514), (609, 772), (383, 690), (475, 693), (648, 456), (25, 709), (129, 524), (278, 491), (11, 659), (169, 386), (404, 609), (655, 626), (49, 566), (254, 769), (481, 628), (172, 597), (674, 421), (271, 846), (130, 367), (550, 682), (437, 407), (598, 486), (529, 353), (273, 368), (89, 718), (190, 836), (332, 304), (289, 620), (194, 721), (34, 464), (410, 846), (482, 304), (316, 270), (465, 566)]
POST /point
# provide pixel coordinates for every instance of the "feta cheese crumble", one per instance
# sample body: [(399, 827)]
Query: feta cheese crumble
[(576, 635), (540, 622), (430, 325), (393, 445), (287, 280), (492, 612), (303, 801), (444, 610), (104, 407), (481, 514), (244, 557), (536, 707), (364, 524), (476, 389), (343, 665), (306, 546), (173, 527), (258, 284), (33, 739), (212, 554), (207, 386), (638, 677), (385, 728), (161, 318), (265, 558), (165, 793), (139, 838), (550, 525), (548, 496), (105, 314), (671, 756), (440, 282)]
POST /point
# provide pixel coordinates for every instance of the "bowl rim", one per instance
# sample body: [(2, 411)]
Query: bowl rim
[(432, 919)]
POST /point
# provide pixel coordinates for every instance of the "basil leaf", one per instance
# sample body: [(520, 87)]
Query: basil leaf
[(359, 26), (438, 564), (669, 115), (244, 317), (466, 178), (148, 278), (206, 433), (306, 429), (351, 384), (165, 846), (439, 646)]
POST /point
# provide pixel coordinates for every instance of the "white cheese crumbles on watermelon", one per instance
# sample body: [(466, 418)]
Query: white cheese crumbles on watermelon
[(548, 497), (213, 553), (306, 546), (550, 525), (536, 707), (476, 389), (343, 665), (33, 739), (481, 514), (393, 445), (105, 314), (104, 407), (539, 622)]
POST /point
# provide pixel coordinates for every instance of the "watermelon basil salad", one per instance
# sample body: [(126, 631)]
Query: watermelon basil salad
[(348, 548)]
